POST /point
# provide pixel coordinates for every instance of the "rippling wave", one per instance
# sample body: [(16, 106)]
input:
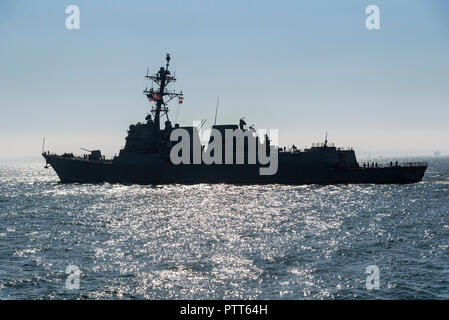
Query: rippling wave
[(222, 241)]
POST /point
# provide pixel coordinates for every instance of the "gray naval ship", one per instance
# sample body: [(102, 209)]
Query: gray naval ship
[(145, 158)]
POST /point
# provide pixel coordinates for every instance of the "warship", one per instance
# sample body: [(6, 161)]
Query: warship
[(145, 158)]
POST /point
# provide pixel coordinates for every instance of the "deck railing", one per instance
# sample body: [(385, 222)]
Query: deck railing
[(321, 145), (393, 164)]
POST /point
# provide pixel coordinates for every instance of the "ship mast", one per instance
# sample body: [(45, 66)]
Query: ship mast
[(160, 95)]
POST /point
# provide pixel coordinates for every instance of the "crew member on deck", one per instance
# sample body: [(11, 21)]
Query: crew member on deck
[(242, 124), (149, 120)]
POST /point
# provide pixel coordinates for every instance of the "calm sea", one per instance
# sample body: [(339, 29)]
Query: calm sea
[(222, 241)]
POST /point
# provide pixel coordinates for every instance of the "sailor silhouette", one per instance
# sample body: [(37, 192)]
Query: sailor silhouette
[(168, 125), (242, 124), (149, 119)]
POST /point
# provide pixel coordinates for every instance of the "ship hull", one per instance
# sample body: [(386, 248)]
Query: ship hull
[(78, 170)]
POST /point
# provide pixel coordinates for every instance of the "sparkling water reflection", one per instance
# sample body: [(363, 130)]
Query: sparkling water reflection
[(222, 241)]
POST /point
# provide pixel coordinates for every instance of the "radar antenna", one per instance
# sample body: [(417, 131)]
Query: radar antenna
[(167, 58), (160, 95)]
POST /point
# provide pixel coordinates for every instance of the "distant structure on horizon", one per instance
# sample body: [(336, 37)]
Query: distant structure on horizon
[(437, 153)]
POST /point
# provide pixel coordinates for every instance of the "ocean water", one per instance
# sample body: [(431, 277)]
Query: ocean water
[(222, 241)]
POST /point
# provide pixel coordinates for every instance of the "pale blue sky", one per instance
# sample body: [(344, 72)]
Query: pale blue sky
[(304, 67)]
